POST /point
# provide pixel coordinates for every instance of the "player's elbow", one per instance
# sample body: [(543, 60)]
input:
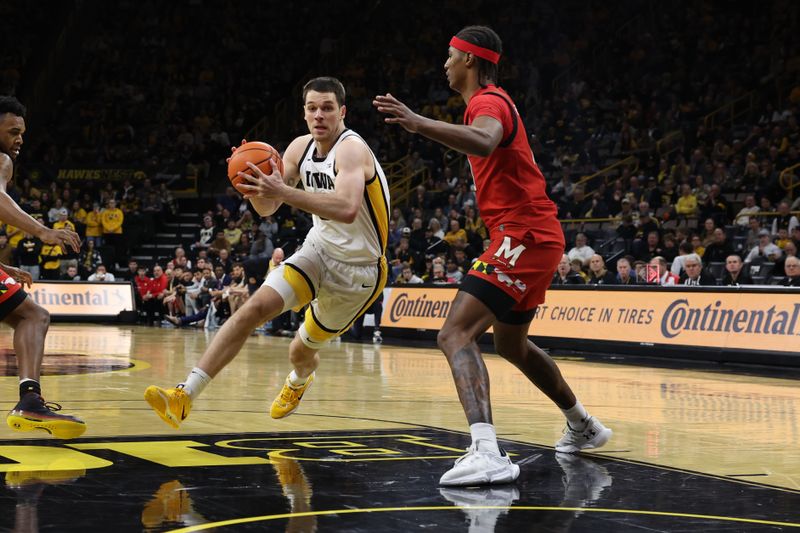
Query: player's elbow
[(484, 145), (349, 215)]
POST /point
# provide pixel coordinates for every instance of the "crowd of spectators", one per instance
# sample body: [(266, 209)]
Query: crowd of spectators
[(710, 210)]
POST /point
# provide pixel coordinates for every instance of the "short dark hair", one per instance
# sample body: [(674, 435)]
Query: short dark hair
[(325, 84), (9, 104), (485, 37)]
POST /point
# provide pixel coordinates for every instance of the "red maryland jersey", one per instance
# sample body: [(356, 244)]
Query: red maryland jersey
[(510, 186)]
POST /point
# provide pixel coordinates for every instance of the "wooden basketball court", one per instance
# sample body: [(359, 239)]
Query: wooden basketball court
[(693, 450)]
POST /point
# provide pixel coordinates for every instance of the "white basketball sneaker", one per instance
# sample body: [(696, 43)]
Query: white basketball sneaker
[(594, 435), (478, 467)]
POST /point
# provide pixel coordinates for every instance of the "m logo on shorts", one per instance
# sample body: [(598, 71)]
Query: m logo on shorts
[(509, 254)]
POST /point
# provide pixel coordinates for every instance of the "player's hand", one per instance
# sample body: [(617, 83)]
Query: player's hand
[(234, 148), (260, 184), (21, 276), (400, 113), (62, 237)]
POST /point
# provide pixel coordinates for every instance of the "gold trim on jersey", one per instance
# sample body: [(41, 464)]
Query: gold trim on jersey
[(378, 208)]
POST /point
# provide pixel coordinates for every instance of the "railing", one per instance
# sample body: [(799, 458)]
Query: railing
[(402, 183), (628, 161), (788, 179), (670, 143), (454, 160), (763, 214), (728, 113)]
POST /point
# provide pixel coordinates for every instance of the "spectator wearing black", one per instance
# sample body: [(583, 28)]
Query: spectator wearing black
[(734, 275), (646, 223), (565, 275), (578, 206), (645, 250), (785, 219), (792, 267), (416, 238), (716, 207), (206, 234), (29, 248), (626, 230), (719, 249), (71, 274), (130, 274), (599, 275), (670, 249), (88, 259), (695, 275)]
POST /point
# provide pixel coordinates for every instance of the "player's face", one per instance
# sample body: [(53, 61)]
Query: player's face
[(455, 69), (323, 115), (12, 127)]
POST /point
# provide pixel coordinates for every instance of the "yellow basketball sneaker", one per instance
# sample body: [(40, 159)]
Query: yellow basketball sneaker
[(172, 405), (32, 412), (287, 401)]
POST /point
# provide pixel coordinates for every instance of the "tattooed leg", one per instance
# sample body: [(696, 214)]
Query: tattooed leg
[(467, 321)]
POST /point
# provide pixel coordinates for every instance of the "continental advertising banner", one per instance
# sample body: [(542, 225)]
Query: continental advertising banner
[(71, 298), (736, 320)]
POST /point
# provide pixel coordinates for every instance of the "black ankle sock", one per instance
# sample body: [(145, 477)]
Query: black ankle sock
[(29, 385)]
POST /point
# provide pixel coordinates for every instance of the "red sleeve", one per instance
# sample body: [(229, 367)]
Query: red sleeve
[(488, 105), (142, 286), (159, 285)]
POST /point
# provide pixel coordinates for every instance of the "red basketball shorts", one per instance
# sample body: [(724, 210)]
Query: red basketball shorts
[(11, 294), (518, 266)]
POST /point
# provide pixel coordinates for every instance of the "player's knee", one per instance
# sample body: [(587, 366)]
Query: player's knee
[(450, 339), (41, 317)]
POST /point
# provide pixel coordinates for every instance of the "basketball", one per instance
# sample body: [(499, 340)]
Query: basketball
[(255, 152)]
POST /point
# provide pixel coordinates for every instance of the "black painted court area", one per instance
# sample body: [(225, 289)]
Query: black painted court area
[(377, 481)]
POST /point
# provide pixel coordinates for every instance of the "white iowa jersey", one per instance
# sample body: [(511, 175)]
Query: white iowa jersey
[(363, 241)]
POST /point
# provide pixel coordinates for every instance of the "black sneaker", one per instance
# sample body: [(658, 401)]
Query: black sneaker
[(32, 412)]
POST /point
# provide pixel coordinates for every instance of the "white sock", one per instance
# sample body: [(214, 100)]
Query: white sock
[(576, 416), (486, 433), (195, 382), (296, 380)]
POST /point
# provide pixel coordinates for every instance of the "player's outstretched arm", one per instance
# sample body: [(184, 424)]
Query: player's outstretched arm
[(479, 138), (13, 214)]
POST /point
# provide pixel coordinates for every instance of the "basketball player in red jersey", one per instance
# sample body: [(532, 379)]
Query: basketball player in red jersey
[(29, 320), (507, 283)]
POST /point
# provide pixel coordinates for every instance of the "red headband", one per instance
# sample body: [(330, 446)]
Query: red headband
[(483, 53)]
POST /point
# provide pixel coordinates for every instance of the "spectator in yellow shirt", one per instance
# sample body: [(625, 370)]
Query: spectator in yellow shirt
[(14, 235), (686, 205), (111, 219), (94, 229), (455, 232), (232, 233), (70, 258)]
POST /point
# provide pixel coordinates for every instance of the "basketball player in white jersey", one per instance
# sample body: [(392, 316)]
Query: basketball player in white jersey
[(340, 269)]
